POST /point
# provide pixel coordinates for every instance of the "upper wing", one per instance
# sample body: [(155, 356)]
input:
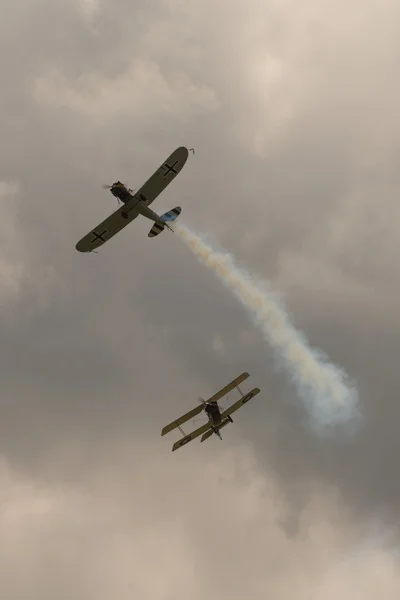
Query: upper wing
[(189, 415), (228, 387), (191, 436), (106, 230), (231, 409), (163, 176)]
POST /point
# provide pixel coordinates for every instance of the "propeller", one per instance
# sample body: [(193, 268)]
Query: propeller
[(106, 186), (205, 402), (202, 401)]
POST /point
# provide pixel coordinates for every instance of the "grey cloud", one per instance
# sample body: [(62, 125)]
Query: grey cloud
[(295, 127), (108, 535)]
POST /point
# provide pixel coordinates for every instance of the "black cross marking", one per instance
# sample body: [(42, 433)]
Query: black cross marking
[(171, 168), (98, 236)]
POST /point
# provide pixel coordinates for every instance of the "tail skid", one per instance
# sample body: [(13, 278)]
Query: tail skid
[(167, 217)]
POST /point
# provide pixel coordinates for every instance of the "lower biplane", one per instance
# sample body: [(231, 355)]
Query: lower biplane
[(216, 419), (137, 203)]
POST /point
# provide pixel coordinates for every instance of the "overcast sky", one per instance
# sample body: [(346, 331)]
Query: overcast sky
[(292, 109)]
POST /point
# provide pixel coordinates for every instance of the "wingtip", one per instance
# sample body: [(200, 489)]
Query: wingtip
[(254, 392), (80, 246), (184, 150)]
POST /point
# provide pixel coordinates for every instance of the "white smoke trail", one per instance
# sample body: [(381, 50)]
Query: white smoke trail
[(328, 396)]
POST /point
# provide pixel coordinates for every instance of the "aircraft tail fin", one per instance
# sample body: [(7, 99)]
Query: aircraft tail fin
[(167, 217)]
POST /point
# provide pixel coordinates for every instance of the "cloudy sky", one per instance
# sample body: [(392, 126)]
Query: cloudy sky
[(293, 113)]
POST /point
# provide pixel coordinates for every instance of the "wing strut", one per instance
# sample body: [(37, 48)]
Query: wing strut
[(239, 390)]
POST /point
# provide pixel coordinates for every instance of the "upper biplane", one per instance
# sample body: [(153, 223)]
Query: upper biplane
[(216, 418), (137, 203)]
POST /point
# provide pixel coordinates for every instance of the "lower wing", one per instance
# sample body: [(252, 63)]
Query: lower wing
[(191, 436)]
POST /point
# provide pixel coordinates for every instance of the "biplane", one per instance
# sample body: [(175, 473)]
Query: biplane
[(216, 419), (138, 203)]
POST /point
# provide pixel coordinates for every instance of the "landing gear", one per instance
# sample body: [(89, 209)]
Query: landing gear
[(124, 215)]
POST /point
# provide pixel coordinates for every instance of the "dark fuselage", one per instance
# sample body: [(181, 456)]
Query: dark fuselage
[(121, 192), (136, 204), (213, 413)]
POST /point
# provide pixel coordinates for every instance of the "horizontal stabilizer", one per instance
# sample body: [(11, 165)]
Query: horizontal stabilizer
[(156, 229), (167, 217), (209, 433), (206, 435), (171, 215)]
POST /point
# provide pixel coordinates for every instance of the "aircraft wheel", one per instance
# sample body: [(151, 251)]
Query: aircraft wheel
[(124, 215)]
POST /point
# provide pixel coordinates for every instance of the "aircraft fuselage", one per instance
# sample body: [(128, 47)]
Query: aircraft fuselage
[(121, 192), (215, 418), (137, 204), (213, 413)]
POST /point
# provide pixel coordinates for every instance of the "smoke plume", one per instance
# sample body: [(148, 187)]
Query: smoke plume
[(325, 390)]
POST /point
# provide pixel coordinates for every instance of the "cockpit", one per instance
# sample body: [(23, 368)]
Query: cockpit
[(117, 186), (212, 409)]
